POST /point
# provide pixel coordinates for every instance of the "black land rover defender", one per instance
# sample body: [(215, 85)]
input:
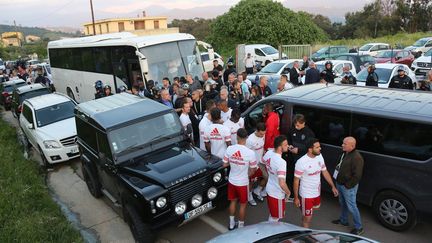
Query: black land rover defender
[(136, 153)]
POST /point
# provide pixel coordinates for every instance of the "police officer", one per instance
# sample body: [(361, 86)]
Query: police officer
[(347, 77), (328, 73), (372, 78), (99, 89), (401, 81), (107, 90)]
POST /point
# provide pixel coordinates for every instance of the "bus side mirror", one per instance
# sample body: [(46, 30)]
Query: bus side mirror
[(140, 55)]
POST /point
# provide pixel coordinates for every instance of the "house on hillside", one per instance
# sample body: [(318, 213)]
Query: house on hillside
[(139, 26), (32, 38), (12, 38)]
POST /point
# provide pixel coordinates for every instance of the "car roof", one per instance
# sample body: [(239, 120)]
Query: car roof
[(353, 54), (258, 45), (410, 105), (12, 82), (119, 109), (376, 43), (27, 88), (388, 65), (334, 62), (426, 38), (46, 100), (286, 61)]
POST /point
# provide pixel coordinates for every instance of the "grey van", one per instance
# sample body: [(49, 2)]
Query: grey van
[(393, 129)]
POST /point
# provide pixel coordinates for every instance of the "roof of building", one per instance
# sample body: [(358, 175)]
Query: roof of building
[(100, 21), (119, 109), (406, 104), (43, 101)]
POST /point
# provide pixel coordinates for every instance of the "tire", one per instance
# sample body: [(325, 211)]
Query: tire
[(395, 211), (70, 94), (140, 230), (92, 182), (45, 162)]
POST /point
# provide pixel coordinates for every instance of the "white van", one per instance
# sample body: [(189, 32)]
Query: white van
[(263, 54), (421, 46)]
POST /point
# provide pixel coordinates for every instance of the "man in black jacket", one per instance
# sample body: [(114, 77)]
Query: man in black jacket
[(312, 74), (401, 81), (295, 74), (265, 90), (372, 78), (347, 175)]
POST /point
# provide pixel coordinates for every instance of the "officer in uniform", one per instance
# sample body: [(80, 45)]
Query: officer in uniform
[(401, 81), (372, 78), (328, 73)]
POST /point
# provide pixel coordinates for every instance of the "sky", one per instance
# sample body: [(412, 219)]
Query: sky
[(74, 13)]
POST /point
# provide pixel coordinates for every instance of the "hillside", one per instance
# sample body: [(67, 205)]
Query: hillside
[(41, 32)]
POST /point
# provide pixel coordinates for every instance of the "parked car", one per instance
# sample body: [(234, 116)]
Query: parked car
[(329, 52), (385, 72), (337, 68), (373, 48), (6, 90), (360, 61), (273, 71), (208, 63), (420, 46), (136, 152), (395, 56), (2, 65), (285, 232), (263, 54), (48, 125), (423, 64), (26, 92), (393, 129)]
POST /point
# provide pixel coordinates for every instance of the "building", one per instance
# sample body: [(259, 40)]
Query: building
[(32, 38), (138, 26), (12, 38)]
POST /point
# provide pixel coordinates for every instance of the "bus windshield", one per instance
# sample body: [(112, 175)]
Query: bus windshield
[(174, 59)]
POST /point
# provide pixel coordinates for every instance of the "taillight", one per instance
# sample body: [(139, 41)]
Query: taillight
[(5, 94)]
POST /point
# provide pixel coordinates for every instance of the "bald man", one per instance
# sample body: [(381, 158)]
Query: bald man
[(347, 174)]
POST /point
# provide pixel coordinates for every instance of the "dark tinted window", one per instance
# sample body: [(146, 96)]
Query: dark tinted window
[(87, 60), (103, 144), (391, 137), (102, 58), (32, 94), (205, 57), (86, 133), (27, 113), (54, 113)]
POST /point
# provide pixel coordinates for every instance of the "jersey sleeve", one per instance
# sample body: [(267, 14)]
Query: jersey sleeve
[(322, 164), (253, 163), (227, 134), (206, 136), (281, 169), (226, 156), (299, 170)]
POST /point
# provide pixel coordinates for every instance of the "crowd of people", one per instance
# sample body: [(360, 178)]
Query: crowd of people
[(30, 74)]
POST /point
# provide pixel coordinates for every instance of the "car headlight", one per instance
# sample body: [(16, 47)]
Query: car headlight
[(414, 63), (50, 144), (212, 193), (161, 202), (196, 200), (180, 208), (217, 177)]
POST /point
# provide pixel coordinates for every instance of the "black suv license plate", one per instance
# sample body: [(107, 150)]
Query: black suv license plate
[(198, 211)]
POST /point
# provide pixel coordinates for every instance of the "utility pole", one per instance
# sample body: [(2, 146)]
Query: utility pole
[(16, 33), (93, 21)]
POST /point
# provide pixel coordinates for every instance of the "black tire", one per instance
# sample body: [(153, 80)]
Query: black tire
[(395, 211), (70, 94), (92, 182), (140, 230), (45, 162)]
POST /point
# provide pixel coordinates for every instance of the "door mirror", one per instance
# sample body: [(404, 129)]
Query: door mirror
[(189, 129), (30, 126)]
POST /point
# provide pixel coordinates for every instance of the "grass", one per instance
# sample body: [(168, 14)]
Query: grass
[(27, 211)]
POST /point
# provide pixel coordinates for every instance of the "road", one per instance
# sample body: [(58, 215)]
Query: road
[(97, 217)]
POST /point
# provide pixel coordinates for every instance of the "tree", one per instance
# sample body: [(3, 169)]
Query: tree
[(198, 27), (262, 21)]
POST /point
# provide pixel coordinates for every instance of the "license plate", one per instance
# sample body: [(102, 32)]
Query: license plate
[(198, 211), (423, 71), (74, 150)]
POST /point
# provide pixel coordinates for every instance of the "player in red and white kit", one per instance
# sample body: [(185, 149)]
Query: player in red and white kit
[(277, 189), (308, 170), (217, 137), (255, 142), (234, 124), (243, 163)]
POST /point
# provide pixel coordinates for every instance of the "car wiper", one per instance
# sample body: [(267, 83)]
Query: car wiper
[(129, 148)]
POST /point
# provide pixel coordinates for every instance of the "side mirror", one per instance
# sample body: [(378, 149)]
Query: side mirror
[(189, 129), (30, 126)]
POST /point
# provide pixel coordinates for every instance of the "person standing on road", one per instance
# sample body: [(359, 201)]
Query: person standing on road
[(347, 175), (264, 88), (284, 84), (312, 74), (307, 176), (401, 81), (372, 78), (272, 121), (243, 163), (295, 74), (205, 122), (329, 75), (217, 137), (306, 63), (249, 62), (276, 188), (234, 123), (348, 77)]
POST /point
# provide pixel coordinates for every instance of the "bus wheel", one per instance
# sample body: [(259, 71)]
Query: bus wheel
[(70, 94), (395, 211)]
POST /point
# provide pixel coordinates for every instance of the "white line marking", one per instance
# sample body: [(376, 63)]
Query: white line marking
[(215, 225)]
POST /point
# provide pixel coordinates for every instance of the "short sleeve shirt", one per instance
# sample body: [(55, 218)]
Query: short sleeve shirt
[(185, 120), (240, 159), (204, 123), (309, 171), (217, 135), (234, 127), (225, 116), (276, 168), (257, 145)]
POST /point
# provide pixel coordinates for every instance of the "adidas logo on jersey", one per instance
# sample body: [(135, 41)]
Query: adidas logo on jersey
[(215, 132), (237, 155)]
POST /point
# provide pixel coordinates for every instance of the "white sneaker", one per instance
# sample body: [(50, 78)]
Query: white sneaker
[(252, 202), (258, 196), (263, 193)]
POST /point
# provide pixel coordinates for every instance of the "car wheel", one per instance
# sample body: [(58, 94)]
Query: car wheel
[(140, 230), (70, 94), (92, 182), (395, 211), (267, 62), (45, 162)]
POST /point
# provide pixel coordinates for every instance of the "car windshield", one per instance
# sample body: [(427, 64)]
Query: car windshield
[(144, 132), (365, 48), (272, 67), (269, 50), (330, 237), (420, 43), (10, 88), (173, 59), (33, 93), (54, 113), (383, 75), (428, 53), (386, 54), (48, 68), (367, 59), (322, 50)]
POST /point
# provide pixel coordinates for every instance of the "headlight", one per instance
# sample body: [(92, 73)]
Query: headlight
[(50, 144), (196, 200), (414, 64), (212, 193), (217, 177), (180, 208), (161, 202)]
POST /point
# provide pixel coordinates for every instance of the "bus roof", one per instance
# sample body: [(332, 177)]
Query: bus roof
[(117, 39), (404, 104)]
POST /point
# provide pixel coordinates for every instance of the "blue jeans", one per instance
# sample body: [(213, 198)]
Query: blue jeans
[(347, 200)]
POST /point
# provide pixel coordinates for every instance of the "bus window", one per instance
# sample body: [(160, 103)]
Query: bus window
[(125, 64)]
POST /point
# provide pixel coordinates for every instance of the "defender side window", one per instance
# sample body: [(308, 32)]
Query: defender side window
[(87, 134), (103, 145)]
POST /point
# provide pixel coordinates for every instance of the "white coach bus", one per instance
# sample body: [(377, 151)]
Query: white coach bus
[(120, 59)]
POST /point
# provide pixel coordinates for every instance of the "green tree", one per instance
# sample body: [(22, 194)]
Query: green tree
[(198, 27), (262, 21)]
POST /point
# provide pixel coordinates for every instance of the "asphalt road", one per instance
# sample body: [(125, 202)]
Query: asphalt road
[(97, 217)]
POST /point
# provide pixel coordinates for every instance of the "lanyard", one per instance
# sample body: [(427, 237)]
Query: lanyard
[(199, 106), (340, 162)]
